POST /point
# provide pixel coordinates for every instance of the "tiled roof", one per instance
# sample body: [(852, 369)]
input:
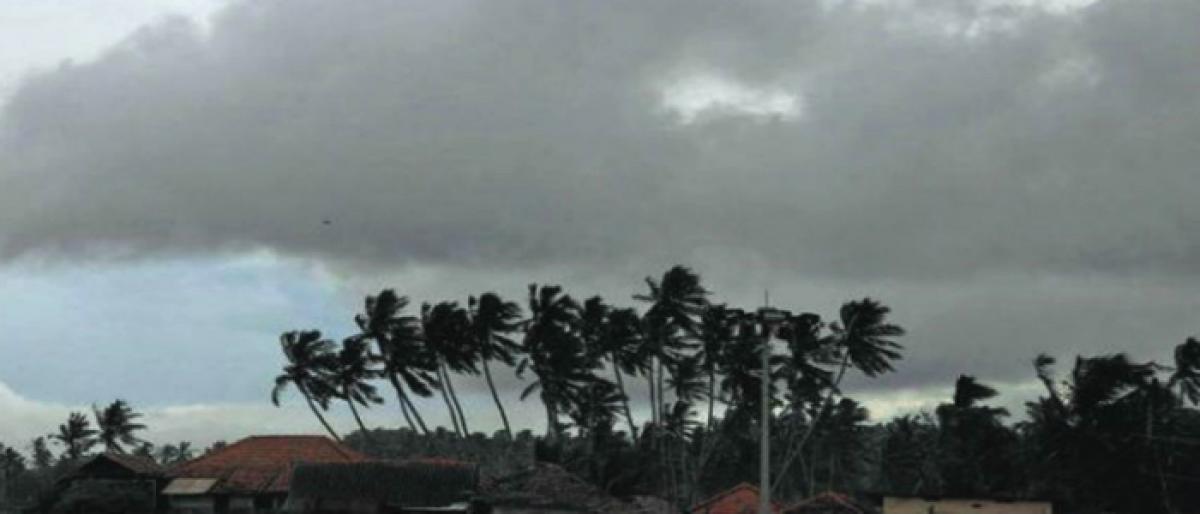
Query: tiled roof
[(740, 499), (263, 464)]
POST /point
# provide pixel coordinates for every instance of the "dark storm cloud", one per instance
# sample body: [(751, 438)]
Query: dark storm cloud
[(1010, 180), (937, 139)]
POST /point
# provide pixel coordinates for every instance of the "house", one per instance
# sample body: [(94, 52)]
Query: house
[(829, 503), (249, 476), (422, 485), (549, 489), (110, 483), (740, 499), (904, 505)]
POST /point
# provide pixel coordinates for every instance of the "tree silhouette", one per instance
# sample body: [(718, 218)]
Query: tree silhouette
[(309, 357), (407, 361), (76, 435), (675, 302), (553, 352), (117, 424), (492, 320), (350, 375), (445, 327)]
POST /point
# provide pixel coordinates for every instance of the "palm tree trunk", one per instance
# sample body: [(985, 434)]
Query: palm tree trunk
[(402, 399), (551, 417), (487, 373), (317, 412), (653, 396), (358, 419), (416, 414), (446, 397), (624, 400), (462, 420), (712, 395)]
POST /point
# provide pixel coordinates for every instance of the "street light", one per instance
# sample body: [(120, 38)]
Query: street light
[(770, 318)]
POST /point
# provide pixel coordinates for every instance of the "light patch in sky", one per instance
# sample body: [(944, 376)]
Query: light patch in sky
[(707, 96)]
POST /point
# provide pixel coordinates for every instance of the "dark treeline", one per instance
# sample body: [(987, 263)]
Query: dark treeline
[(1112, 434)]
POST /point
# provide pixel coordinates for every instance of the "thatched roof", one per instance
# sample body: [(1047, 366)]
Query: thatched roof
[(551, 486), (408, 483)]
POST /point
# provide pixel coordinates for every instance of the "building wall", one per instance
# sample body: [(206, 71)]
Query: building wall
[(967, 506), (191, 505)]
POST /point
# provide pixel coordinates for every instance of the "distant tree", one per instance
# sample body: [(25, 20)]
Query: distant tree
[(171, 454), (76, 436), (42, 456), (145, 450), (1186, 376), (308, 357), (12, 463), (117, 424), (216, 446)]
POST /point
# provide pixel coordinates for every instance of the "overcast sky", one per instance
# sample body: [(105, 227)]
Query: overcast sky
[(1012, 177)]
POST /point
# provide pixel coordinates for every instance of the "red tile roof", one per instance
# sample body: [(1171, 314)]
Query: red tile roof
[(263, 464), (740, 499)]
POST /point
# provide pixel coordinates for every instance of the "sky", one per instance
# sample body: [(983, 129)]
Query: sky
[(182, 181)]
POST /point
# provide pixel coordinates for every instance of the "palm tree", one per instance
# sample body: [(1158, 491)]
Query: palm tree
[(717, 327), (117, 425), (445, 326), (491, 321), (406, 359), (76, 435), (308, 359), (675, 302), (622, 341), (865, 340), (350, 378), (1187, 370), (553, 352)]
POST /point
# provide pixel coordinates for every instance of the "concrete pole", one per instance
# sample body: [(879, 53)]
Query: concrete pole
[(764, 488)]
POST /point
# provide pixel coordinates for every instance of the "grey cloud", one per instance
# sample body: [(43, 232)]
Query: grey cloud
[(529, 134)]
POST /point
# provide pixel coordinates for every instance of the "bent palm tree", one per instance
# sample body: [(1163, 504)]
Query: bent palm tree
[(406, 360), (445, 327), (492, 320), (675, 303), (553, 352), (117, 424), (308, 358), (350, 378), (865, 341)]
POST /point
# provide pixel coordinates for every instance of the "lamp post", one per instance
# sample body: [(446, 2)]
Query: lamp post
[(769, 318)]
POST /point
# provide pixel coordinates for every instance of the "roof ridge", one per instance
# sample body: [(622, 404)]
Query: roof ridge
[(727, 492)]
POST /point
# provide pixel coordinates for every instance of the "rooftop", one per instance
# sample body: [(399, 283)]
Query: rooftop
[(263, 464)]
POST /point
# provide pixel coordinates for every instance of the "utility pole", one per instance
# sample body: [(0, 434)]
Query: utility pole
[(769, 318), (764, 460)]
